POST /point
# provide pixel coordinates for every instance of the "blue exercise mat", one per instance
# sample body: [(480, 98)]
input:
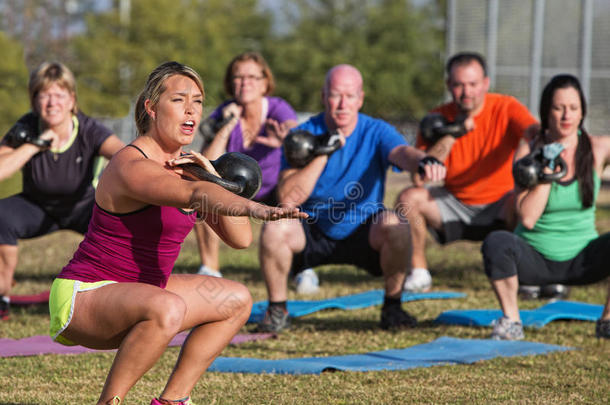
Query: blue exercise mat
[(442, 351), (530, 317), (355, 301)]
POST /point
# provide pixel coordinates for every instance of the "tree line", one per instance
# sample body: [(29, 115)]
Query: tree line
[(397, 45)]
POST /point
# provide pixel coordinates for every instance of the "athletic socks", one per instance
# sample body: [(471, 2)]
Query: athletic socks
[(280, 304), (389, 302)]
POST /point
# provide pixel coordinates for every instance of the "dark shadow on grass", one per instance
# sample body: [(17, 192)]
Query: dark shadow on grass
[(249, 273), (18, 403), (349, 276), (36, 309), (232, 271), (354, 324), (35, 277)]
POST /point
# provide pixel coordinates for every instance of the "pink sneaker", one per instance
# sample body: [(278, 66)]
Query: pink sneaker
[(156, 401)]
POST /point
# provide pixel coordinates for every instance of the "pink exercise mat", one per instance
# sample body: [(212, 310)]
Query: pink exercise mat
[(42, 344), (31, 299)]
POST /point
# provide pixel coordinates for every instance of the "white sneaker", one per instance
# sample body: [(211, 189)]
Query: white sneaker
[(206, 271), (307, 282), (419, 280)]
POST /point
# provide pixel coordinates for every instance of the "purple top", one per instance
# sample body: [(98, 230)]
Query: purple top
[(269, 159), (141, 246)]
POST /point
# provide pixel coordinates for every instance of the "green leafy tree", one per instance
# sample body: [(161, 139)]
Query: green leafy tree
[(44, 27), (115, 56), (396, 46), (13, 98), (14, 84)]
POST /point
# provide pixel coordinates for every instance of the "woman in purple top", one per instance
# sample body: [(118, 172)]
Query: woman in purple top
[(258, 127), (118, 290)]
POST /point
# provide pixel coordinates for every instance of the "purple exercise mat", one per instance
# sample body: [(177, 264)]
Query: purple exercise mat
[(42, 344)]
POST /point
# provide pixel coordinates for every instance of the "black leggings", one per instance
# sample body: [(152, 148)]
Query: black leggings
[(22, 218), (506, 254)]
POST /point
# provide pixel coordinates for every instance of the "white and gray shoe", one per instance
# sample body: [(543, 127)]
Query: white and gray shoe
[(419, 280), (206, 271), (307, 282), (505, 329)]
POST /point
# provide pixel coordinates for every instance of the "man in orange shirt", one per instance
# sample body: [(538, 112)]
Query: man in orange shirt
[(477, 194)]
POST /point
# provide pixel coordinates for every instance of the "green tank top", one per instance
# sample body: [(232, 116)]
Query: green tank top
[(564, 228)]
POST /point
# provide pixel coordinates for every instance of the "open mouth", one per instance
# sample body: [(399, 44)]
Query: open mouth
[(188, 126)]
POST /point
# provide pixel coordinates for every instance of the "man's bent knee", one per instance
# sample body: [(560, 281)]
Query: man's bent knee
[(410, 200), (390, 229), (278, 233)]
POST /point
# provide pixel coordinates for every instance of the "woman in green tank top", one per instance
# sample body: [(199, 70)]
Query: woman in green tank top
[(555, 240)]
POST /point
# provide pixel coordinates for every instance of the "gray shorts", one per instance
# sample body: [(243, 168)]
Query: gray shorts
[(468, 222)]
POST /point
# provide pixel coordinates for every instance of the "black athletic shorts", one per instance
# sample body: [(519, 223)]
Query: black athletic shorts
[(21, 218), (270, 199), (320, 249)]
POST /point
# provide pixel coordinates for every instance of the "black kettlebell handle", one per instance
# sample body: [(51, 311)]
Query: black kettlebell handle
[(218, 125), (528, 171), (42, 143), (300, 146), (455, 129), (210, 127), (20, 134), (555, 176), (238, 173), (204, 175), (434, 126), (329, 144)]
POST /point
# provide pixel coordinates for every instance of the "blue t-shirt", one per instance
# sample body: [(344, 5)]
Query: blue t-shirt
[(351, 187)]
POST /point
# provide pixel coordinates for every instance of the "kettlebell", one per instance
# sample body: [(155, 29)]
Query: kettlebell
[(300, 146), (20, 134), (434, 126), (210, 127), (528, 171), (239, 173)]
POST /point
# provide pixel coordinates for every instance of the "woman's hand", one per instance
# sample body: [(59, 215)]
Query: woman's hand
[(232, 108), (191, 157), (50, 135), (268, 213), (275, 131)]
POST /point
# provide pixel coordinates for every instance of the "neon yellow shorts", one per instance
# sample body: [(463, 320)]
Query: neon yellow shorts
[(61, 304)]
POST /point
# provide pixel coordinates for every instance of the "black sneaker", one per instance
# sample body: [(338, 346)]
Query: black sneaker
[(276, 319), (554, 292), (4, 308), (394, 317), (602, 328)]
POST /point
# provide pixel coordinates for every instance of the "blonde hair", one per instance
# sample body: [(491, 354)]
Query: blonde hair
[(244, 57), (47, 74), (155, 86)]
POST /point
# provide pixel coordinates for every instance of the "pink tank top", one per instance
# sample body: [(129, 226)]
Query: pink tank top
[(140, 246)]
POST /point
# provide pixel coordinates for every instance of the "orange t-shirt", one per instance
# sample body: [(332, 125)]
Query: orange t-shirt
[(479, 166)]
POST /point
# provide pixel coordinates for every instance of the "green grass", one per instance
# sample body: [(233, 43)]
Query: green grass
[(579, 376), (10, 186)]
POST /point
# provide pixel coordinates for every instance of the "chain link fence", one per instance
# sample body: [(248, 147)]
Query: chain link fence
[(526, 42)]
